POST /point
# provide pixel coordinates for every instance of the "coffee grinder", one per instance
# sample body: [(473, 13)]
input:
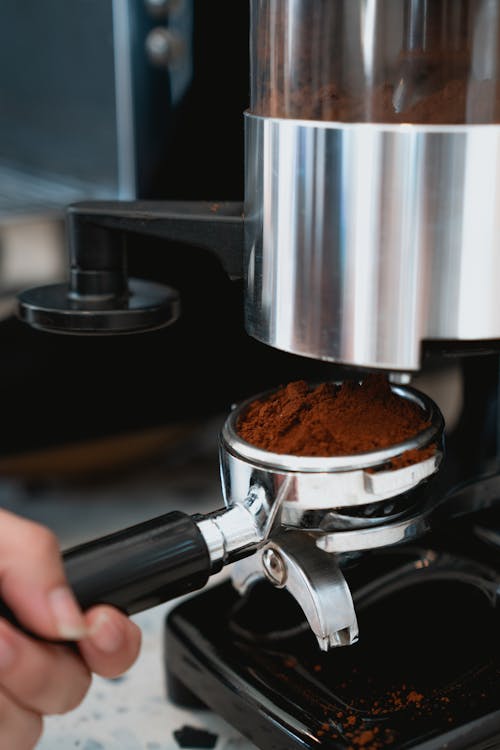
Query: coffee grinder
[(368, 238)]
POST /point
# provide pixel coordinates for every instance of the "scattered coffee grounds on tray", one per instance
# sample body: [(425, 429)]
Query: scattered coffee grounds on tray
[(364, 727), (334, 420)]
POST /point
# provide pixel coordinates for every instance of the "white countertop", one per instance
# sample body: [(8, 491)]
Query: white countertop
[(132, 712)]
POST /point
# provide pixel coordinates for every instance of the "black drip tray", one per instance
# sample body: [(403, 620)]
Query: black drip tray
[(424, 674)]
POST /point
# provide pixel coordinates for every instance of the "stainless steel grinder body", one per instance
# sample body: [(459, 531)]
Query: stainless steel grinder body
[(373, 178)]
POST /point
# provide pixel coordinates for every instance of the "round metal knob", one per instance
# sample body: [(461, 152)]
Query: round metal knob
[(274, 567), (54, 308), (163, 47)]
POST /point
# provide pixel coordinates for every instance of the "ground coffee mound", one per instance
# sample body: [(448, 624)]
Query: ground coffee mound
[(334, 420)]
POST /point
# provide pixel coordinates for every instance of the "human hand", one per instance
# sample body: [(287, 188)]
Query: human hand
[(38, 678)]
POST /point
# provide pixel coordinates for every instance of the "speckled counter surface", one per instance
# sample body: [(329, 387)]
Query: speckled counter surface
[(132, 712)]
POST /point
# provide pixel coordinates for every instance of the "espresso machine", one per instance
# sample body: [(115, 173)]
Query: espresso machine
[(363, 606)]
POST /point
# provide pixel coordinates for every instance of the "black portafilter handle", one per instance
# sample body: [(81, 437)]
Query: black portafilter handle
[(139, 567)]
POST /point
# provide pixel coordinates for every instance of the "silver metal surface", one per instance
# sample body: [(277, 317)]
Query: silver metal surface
[(231, 532), (274, 567), (392, 532), (124, 93), (239, 528), (315, 581), (480, 494), (375, 514), (305, 483), (365, 239), (399, 378), (214, 539)]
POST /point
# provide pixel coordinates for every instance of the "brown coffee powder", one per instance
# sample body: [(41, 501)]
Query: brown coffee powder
[(334, 420)]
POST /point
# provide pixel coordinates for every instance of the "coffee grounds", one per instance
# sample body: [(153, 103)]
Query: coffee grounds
[(440, 85), (455, 102), (334, 420), (360, 732)]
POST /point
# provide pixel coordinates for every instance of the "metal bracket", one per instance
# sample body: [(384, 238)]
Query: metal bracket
[(99, 298), (313, 577)]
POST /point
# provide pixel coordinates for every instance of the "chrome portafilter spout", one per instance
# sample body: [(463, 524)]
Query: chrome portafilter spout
[(288, 519)]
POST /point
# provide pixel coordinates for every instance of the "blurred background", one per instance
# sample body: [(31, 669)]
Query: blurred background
[(121, 99), (114, 99)]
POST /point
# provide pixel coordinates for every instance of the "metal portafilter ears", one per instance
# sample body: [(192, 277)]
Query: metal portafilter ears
[(287, 519)]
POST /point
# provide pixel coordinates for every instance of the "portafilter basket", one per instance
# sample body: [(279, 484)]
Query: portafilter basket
[(309, 489)]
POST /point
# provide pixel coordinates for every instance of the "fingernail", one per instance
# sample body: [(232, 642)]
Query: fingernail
[(7, 653), (106, 634), (69, 619)]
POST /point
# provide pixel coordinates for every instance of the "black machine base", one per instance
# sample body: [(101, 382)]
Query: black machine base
[(425, 673)]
